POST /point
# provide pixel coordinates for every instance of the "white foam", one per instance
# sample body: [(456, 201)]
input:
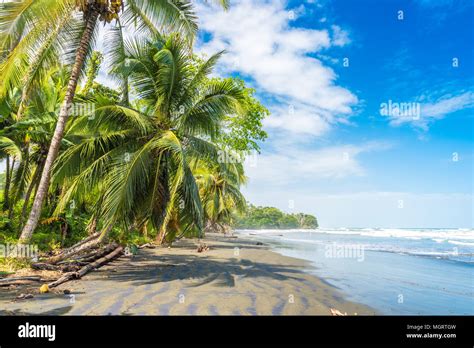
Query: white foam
[(460, 243)]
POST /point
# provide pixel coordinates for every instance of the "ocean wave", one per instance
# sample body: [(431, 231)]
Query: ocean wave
[(415, 234), (455, 242)]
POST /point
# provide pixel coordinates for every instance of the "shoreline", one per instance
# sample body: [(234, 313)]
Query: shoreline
[(234, 277)]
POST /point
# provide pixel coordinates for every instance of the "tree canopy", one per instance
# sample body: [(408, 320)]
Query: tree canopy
[(273, 218)]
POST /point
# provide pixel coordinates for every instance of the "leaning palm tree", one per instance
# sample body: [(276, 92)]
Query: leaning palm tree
[(138, 157), (219, 188), (22, 23)]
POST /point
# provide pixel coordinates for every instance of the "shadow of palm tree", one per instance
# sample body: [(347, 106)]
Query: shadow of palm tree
[(151, 267), (20, 312)]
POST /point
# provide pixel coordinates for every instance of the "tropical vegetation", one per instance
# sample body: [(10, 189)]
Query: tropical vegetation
[(273, 218), (136, 160)]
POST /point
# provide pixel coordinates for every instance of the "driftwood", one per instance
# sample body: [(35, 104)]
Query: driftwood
[(92, 243), (84, 270), (98, 254), (62, 268), (202, 248), (6, 280), (42, 266), (147, 245), (85, 240), (18, 281), (336, 312)]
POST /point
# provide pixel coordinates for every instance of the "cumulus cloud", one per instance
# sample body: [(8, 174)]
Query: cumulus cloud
[(262, 44)]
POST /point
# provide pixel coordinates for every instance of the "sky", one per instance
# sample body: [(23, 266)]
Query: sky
[(332, 73), (328, 71)]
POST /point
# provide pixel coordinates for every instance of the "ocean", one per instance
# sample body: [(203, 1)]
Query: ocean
[(394, 271)]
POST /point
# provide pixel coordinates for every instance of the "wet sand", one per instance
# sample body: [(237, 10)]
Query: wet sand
[(234, 277)]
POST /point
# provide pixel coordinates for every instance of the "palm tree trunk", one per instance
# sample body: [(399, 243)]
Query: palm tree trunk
[(92, 226), (33, 184), (6, 193), (161, 235), (21, 182), (60, 126)]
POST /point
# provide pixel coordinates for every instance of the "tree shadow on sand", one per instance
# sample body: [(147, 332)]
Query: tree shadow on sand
[(20, 312), (150, 268)]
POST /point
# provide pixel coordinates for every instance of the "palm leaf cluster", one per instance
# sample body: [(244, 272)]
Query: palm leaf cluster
[(144, 156)]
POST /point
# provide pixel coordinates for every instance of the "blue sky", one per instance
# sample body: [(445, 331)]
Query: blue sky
[(324, 68)]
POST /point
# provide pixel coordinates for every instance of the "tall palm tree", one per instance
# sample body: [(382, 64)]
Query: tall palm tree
[(139, 155), (21, 23)]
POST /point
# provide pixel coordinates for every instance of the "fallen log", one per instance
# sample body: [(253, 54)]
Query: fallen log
[(93, 265), (41, 266), (88, 243), (17, 282), (98, 254), (147, 245), (31, 278), (101, 261), (85, 240), (67, 254)]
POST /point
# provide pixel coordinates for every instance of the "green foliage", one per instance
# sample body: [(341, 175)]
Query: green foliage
[(145, 163), (9, 265), (244, 129), (273, 218)]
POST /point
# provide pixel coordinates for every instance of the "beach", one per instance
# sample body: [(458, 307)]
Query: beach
[(236, 276), (395, 271)]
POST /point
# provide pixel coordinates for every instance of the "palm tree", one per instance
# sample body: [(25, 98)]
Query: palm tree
[(28, 138), (22, 23), (139, 156), (10, 149), (219, 188)]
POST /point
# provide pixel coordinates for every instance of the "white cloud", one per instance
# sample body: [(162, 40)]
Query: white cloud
[(261, 44), (340, 37), (289, 165), (447, 105), (436, 110), (299, 120)]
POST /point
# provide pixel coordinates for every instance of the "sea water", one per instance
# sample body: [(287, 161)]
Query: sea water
[(394, 271)]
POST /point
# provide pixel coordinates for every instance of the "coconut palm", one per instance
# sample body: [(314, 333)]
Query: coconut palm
[(219, 188), (139, 156), (31, 135), (23, 23)]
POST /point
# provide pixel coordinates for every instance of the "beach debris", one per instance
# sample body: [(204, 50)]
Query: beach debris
[(24, 296), (89, 267), (87, 244), (44, 289), (147, 245), (7, 280), (336, 312), (202, 248), (18, 280)]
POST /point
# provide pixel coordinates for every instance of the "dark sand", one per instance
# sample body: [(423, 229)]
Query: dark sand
[(235, 277)]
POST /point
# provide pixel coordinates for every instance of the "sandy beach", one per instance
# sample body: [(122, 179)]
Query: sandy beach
[(234, 277)]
